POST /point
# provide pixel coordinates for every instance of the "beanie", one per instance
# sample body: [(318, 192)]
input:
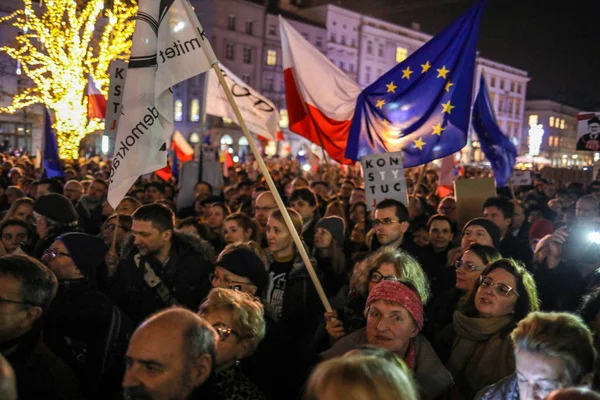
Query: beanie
[(56, 207), (246, 263), (335, 226), (87, 251), (394, 291), (540, 229), (491, 228)]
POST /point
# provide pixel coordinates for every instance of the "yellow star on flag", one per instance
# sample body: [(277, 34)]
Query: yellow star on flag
[(419, 143), (406, 73), (448, 86), (442, 72), (391, 87), (386, 123), (437, 129), (425, 67), (380, 104), (447, 108)]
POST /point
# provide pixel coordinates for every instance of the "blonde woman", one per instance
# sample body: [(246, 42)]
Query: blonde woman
[(239, 321), (360, 377)]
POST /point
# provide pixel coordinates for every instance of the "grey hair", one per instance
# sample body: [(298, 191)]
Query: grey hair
[(199, 338)]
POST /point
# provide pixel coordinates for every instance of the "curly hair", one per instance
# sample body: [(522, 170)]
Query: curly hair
[(407, 269), (247, 313)]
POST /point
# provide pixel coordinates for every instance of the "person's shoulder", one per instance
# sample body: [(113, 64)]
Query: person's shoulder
[(346, 344), (193, 245)]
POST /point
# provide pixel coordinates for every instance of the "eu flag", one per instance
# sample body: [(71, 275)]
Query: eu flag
[(422, 105), (52, 167), (497, 148)]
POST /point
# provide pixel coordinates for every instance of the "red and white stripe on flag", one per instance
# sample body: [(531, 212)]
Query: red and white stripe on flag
[(183, 151), (96, 101)]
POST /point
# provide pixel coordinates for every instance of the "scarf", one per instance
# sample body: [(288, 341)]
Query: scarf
[(409, 360), (481, 355)]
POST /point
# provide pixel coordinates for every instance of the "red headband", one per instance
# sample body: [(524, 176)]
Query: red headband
[(396, 292)]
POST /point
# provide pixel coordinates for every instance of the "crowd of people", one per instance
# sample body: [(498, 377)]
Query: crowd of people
[(214, 301)]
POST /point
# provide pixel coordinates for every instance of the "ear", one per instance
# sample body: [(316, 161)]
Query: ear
[(31, 315), (168, 234), (404, 226), (244, 350), (415, 330), (201, 370)]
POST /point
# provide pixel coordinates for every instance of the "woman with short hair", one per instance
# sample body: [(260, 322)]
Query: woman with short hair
[(239, 321)]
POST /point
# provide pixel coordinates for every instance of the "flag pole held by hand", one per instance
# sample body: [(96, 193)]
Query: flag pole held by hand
[(261, 163)]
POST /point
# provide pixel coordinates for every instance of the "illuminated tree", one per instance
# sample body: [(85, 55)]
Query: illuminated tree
[(62, 42)]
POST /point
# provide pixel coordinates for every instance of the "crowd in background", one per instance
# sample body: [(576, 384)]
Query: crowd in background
[(214, 301)]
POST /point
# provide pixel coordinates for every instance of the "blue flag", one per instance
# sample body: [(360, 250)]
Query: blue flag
[(52, 167), (498, 149), (175, 166), (422, 105)]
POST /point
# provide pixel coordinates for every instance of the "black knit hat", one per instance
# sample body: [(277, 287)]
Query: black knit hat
[(335, 226), (56, 207), (246, 263), (87, 251), (491, 228)]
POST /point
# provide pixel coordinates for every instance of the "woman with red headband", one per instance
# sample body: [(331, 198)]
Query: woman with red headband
[(394, 313)]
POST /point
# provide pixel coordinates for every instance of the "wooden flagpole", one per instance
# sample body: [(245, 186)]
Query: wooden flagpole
[(261, 163)]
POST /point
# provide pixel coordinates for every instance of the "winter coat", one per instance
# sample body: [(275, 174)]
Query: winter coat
[(186, 276), (511, 247), (90, 221), (429, 373), (40, 373), (231, 384), (505, 389)]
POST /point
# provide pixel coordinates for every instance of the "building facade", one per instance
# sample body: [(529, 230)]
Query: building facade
[(559, 124)]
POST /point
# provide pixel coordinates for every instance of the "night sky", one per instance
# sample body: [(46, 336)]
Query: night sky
[(557, 42)]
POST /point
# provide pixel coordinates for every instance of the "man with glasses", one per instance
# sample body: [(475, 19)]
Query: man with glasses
[(170, 357), (73, 191), (265, 203), (391, 224), (26, 290)]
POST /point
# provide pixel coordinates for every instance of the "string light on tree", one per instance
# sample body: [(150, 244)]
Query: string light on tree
[(64, 42)]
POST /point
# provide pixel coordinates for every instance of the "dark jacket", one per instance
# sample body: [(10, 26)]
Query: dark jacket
[(50, 237), (186, 276), (429, 373), (308, 234), (231, 384), (90, 220), (40, 373), (435, 264), (76, 328), (511, 247), (505, 389)]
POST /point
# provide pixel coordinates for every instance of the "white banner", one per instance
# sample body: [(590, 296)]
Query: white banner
[(384, 178), (117, 72), (260, 114), (520, 178), (588, 131), (162, 54)]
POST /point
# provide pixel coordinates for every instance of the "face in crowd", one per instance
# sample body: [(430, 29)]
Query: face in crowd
[(388, 227)]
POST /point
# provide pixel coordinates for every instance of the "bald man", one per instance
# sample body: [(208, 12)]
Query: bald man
[(8, 384), (169, 357), (73, 191), (265, 203)]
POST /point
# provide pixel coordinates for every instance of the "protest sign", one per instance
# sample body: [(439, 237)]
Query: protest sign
[(520, 178), (116, 72), (588, 131), (470, 196), (384, 178)]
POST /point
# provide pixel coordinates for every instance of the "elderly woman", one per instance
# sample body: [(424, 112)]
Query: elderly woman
[(385, 264), (239, 321), (552, 351), (394, 313), (482, 352)]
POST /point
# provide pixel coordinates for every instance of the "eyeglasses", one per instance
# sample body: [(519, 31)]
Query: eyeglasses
[(376, 277), (385, 221), (215, 277), (224, 331), (501, 288), (51, 254), (26, 303), (469, 266)]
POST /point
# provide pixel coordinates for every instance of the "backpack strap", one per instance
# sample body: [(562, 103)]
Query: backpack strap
[(153, 281)]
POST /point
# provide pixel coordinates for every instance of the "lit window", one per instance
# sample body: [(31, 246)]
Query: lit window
[(551, 122), (562, 124), (195, 110), (401, 54), (271, 57), (243, 141), (533, 119), (231, 22), (178, 111), (284, 120), (227, 121)]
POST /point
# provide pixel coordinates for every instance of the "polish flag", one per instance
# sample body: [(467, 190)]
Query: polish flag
[(320, 97), (227, 163), (183, 151), (96, 101)]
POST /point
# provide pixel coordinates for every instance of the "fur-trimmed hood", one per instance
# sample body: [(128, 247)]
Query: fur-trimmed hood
[(181, 241)]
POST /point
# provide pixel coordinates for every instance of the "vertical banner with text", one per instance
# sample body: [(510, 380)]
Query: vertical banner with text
[(116, 72), (384, 178)]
